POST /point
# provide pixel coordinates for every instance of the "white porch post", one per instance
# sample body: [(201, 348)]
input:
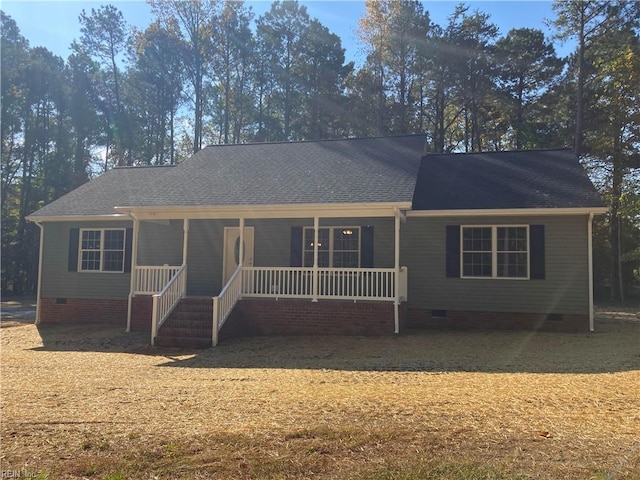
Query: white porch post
[(134, 261), (241, 247), (316, 236), (216, 321), (590, 259), (185, 244), (396, 290)]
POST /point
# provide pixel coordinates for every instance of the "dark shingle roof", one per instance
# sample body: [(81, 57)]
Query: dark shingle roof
[(118, 186), (503, 180), (328, 171), (371, 170)]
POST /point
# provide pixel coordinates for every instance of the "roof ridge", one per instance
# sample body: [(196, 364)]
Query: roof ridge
[(131, 167), (285, 142), (496, 152)]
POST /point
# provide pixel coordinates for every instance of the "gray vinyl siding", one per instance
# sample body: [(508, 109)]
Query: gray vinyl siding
[(275, 238), (205, 256), (58, 282), (272, 240), (564, 289), (160, 243)]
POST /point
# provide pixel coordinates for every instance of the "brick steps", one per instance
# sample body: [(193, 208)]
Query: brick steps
[(189, 325)]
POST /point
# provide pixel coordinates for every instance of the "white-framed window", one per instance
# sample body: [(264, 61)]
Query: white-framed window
[(495, 251), (101, 250), (338, 247)]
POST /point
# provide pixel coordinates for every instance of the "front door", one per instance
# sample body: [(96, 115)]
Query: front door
[(232, 250)]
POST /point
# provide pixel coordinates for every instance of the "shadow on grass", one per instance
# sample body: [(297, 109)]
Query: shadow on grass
[(615, 350), (614, 347), (97, 337)]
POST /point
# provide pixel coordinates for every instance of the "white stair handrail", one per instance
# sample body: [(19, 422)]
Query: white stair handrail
[(223, 303), (165, 301)]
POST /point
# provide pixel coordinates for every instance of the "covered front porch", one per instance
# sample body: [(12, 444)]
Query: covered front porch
[(346, 258)]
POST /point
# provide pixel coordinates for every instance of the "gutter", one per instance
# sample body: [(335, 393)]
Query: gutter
[(508, 212), (76, 218)]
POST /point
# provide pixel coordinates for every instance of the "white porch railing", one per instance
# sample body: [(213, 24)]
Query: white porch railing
[(378, 284), (357, 283), (278, 282), (334, 283), (224, 303), (167, 299), (152, 279)]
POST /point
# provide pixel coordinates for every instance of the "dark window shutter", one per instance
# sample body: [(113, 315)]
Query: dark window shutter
[(128, 243), (537, 257), (296, 247), (74, 242), (366, 246), (453, 251)]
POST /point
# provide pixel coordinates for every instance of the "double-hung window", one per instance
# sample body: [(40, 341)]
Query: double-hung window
[(338, 247), (495, 251), (101, 250)]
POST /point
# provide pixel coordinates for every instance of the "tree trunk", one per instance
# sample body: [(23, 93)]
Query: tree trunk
[(577, 141), (616, 281)]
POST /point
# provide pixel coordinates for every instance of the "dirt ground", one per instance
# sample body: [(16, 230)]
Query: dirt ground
[(95, 402)]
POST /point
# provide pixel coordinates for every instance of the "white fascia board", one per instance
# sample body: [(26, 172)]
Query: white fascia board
[(78, 218), (512, 212), (268, 211)]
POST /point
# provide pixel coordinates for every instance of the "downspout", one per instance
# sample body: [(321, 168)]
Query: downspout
[(590, 260), (39, 291), (134, 262), (396, 302)]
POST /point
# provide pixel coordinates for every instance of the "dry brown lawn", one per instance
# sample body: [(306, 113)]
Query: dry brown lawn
[(94, 402)]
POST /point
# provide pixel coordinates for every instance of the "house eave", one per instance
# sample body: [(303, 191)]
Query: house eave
[(77, 218), (508, 212), (382, 209)]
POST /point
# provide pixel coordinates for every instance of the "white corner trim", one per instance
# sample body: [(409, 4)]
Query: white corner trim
[(40, 262), (590, 262)]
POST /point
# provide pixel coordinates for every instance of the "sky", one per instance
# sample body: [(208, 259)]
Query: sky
[(54, 24)]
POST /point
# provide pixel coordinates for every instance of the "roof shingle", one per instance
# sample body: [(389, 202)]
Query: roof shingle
[(504, 180), (372, 170), (328, 171)]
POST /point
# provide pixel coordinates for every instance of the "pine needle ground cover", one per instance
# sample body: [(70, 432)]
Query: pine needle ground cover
[(93, 402)]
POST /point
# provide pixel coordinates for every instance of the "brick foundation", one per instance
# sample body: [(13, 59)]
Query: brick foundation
[(83, 310), (303, 317), (465, 320), (141, 313)]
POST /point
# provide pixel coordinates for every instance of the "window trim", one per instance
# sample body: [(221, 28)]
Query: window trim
[(331, 250), (494, 252), (102, 249)]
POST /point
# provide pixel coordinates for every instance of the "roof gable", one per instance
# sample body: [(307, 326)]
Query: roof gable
[(328, 171)]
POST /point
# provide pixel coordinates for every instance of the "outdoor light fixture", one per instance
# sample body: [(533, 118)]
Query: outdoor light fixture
[(347, 232)]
